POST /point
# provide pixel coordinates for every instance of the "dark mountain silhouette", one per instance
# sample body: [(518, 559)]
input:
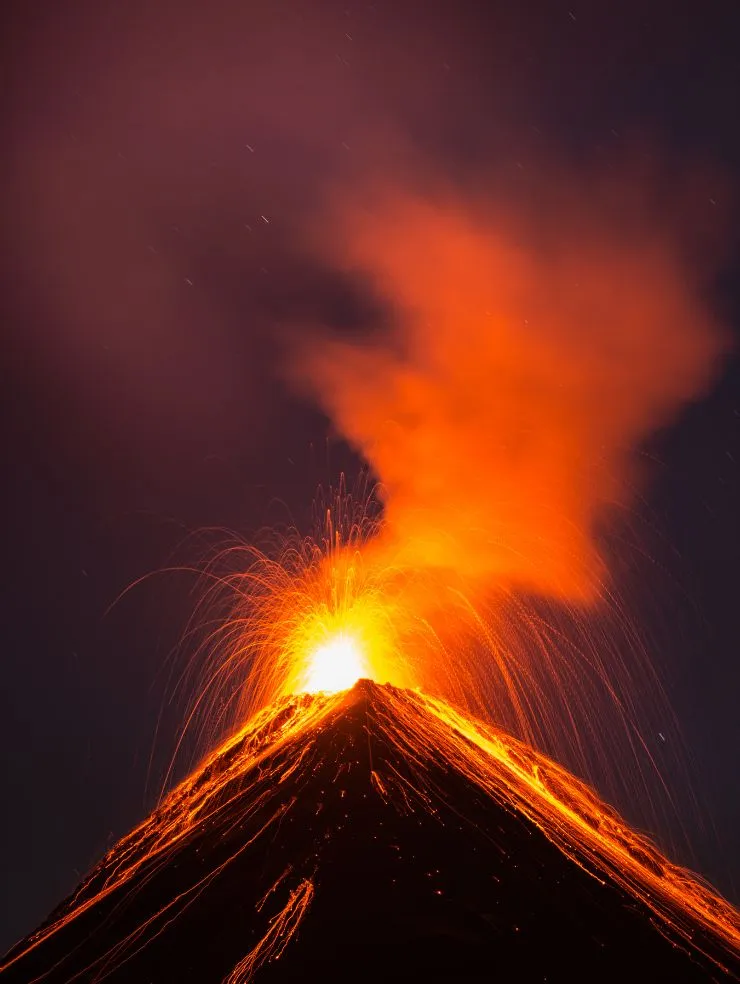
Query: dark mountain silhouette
[(328, 842)]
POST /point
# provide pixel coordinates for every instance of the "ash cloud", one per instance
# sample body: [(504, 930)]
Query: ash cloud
[(164, 167), (536, 341)]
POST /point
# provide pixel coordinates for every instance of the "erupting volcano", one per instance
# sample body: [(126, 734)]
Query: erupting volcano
[(388, 697), (372, 833), (352, 827)]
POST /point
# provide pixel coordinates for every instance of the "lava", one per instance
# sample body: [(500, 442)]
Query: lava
[(335, 665), (227, 815), (501, 419), (529, 347)]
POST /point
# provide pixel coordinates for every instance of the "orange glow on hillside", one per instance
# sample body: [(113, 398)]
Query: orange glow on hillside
[(315, 614), (524, 360), (282, 741), (501, 412), (522, 366)]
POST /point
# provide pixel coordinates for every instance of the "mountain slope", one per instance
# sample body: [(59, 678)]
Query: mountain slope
[(376, 834)]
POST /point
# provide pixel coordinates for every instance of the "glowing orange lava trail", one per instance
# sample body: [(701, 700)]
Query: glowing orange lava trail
[(283, 927), (242, 783)]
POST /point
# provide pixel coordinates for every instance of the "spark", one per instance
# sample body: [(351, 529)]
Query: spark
[(299, 631), (480, 604), (243, 782)]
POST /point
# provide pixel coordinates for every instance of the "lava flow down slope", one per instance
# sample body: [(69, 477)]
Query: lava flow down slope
[(378, 833)]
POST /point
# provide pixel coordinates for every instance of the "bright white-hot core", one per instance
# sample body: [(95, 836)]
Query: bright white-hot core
[(336, 665)]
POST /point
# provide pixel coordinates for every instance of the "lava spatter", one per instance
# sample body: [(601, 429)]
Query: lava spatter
[(382, 830)]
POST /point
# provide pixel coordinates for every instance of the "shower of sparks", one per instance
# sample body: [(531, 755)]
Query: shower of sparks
[(297, 634)]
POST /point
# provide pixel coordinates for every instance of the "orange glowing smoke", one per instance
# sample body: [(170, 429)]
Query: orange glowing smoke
[(527, 357), (526, 362), (306, 614), (501, 413)]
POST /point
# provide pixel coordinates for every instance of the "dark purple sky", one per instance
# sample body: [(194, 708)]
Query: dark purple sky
[(161, 159)]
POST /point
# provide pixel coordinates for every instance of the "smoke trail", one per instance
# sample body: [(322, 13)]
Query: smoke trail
[(531, 352)]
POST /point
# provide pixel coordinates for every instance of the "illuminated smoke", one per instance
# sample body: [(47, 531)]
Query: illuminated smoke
[(531, 352)]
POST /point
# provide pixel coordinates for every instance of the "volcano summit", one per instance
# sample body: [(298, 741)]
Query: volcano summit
[(377, 834)]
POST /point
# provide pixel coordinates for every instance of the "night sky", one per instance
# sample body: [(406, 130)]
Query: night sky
[(161, 159)]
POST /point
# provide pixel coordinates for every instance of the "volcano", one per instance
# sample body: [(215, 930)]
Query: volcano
[(377, 834)]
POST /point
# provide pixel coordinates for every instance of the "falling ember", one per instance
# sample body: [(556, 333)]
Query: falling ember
[(500, 417), (302, 615), (265, 816), (316, 782), (525, 357)]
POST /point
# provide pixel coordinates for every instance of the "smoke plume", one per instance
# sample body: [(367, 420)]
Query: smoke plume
[(531, 351)]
